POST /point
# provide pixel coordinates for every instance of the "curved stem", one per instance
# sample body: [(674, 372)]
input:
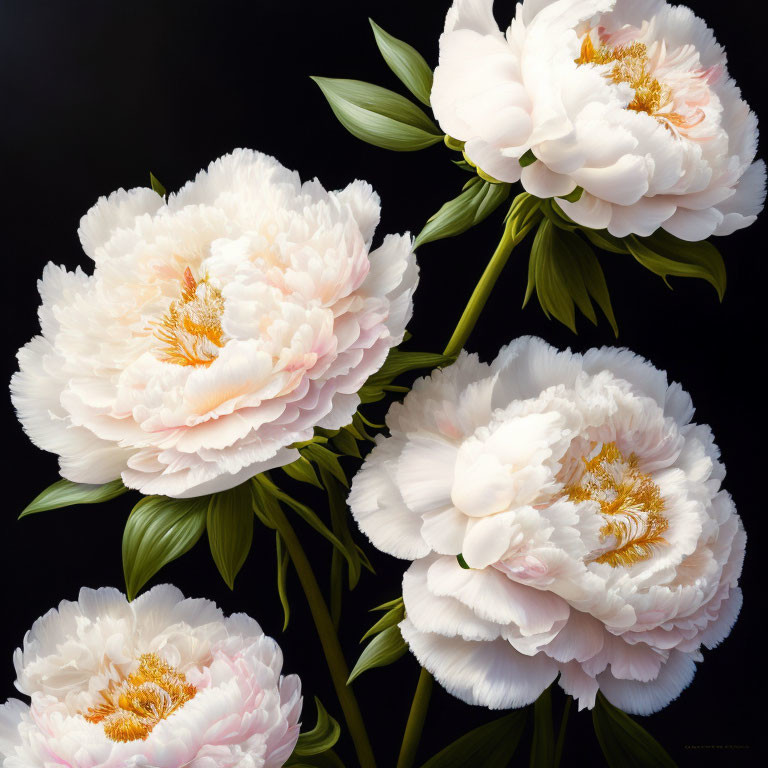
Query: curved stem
[(561, 734), (328, 638), (511, 237), (415, 724)]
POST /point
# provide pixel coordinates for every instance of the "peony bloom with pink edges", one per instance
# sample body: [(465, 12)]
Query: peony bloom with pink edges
[(630, 100), (566, 520), (218, 328), (162, 681)]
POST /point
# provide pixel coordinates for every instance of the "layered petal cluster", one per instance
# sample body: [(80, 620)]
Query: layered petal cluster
[(565, 518), (630, 100), (218, 328), (162, 681)]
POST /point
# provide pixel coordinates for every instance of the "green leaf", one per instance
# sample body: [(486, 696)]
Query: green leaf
[(528, 158), (399, 362), (230, 530), (326, 460), (406, 62), (64, 493), (156, 185), (310, 517), (605, 241), (566, 273), (388, 606), (626, 744), (543, 742), (283, 559), (303, 471), (345, 442), (386, 648), (392, 617), (478, 201), (159, 530), (462, 562), (379, 116), (666, 255), (340, 523), (491, 745), (321, 738)]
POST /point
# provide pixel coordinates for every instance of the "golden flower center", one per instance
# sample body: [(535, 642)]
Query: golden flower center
[(133, 707), (630, 503), (631, 65), (190, 331)]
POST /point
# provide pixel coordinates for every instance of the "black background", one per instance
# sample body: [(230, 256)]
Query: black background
[(95, 94)]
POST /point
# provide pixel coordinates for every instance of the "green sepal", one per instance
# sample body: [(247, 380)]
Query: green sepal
[(230, 530), (321, 738), (491, 745), (379, 116), (156, 185), (65, 493), (159, 530), (626, 744), (573, 197), (462, 562), (528, 158), (454, 144), (386, 648), (406, 62)]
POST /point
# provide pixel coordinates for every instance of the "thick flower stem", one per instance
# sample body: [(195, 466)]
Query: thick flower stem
[(415, 724), (513, 234), (328, 638)]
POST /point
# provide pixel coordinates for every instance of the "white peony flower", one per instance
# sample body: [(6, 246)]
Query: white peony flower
[(628, 99), (588, 508), (162, 682), (218, 328)]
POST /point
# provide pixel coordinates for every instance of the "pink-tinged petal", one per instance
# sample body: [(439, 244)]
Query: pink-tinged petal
[(538, 180), (589, 211), (491, 674), (577, 683)]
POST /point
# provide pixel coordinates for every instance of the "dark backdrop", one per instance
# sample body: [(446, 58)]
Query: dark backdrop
[(96, 93)]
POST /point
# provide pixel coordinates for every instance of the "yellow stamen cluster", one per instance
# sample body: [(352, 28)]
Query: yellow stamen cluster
[(630, 503), (191, 329), (131, 709), (631, 66)]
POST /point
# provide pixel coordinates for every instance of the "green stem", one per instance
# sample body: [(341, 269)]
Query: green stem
[(328, 638), (511, 237), (415, 724), (561, 734)]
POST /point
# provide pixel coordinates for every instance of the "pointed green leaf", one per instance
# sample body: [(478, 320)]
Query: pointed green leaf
[(230, 530), (344, 441), (159, 530), (478, 201), (406, 62), (666, 255), (624, 742), (326, 460), (283, 559), (392, 617), (379, 116), (308, 515), (388, 606), (156, 185), (64, 493), (321, 738), (303, 471), (543, 742), (565, 272), (386, 648), (399, 362), (340, 523), (605, 241), (491, 745)]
